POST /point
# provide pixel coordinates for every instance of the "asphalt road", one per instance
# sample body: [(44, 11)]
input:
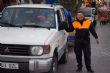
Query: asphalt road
[(100, 54)]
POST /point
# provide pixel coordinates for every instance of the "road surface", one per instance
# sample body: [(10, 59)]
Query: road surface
[(100, 54)]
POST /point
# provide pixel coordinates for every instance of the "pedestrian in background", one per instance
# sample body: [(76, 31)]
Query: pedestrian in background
[(83, 27), (6, 2), (86, 3), (1, 5)]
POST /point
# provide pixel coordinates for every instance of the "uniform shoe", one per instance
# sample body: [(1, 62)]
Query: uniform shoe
[(79, 70), (90, 71)]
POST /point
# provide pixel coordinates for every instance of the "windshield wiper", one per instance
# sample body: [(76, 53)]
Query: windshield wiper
[(30, 26), (35, 26), (5, 24)]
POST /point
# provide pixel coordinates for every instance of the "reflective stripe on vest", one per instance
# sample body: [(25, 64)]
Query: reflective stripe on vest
[(86, 24)]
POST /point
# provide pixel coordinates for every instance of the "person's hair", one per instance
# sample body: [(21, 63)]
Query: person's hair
[(80, 12)]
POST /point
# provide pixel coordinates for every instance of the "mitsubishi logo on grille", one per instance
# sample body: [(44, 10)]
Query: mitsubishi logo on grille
[(7, 51)]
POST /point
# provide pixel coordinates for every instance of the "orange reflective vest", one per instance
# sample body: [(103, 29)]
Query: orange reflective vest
[(86, 24)]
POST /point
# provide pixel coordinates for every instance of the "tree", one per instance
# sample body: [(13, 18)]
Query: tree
[(71, 5)]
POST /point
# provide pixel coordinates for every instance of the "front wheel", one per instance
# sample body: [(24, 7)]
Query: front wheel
[(64, 57), (54, 67)]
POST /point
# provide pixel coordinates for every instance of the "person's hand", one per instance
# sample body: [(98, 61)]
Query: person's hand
[(97, 41)]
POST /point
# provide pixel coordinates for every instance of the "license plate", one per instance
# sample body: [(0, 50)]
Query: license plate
[(9, 65)]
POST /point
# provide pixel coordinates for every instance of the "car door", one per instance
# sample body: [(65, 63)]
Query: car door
[(64, 19), (62, 34)]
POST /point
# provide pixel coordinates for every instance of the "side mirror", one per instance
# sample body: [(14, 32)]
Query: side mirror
[(63, 25)]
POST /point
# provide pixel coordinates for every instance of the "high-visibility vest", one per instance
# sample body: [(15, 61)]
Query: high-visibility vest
[(86, 24)]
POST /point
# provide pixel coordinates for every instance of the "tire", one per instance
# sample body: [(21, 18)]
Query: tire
[(54, 67), (63, 59)]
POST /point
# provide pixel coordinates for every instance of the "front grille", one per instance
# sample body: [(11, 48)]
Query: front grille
[(21, 50)]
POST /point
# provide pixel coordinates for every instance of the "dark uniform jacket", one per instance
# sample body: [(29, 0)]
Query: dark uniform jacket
[(83, 29)]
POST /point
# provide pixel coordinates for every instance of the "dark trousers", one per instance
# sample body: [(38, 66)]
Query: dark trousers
[(83, 47)]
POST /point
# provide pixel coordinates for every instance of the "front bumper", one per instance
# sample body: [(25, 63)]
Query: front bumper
[(27, 65)]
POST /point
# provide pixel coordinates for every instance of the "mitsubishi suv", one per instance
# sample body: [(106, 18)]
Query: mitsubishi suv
[(32, 38)]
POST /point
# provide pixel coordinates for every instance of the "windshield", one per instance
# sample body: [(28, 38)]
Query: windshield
[(27, 17), (87, 12)]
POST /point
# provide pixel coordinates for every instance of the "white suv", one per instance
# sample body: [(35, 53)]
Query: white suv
[(32, 38)]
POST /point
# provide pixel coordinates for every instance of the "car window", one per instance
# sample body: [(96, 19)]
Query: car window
[(30, 16), (63, 14), (59, 16), (7, 15)]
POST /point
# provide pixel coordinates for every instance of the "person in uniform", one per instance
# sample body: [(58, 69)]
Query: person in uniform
[(83, 28)]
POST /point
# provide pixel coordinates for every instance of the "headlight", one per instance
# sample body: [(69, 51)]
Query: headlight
[(36, 50), (40, 50)]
